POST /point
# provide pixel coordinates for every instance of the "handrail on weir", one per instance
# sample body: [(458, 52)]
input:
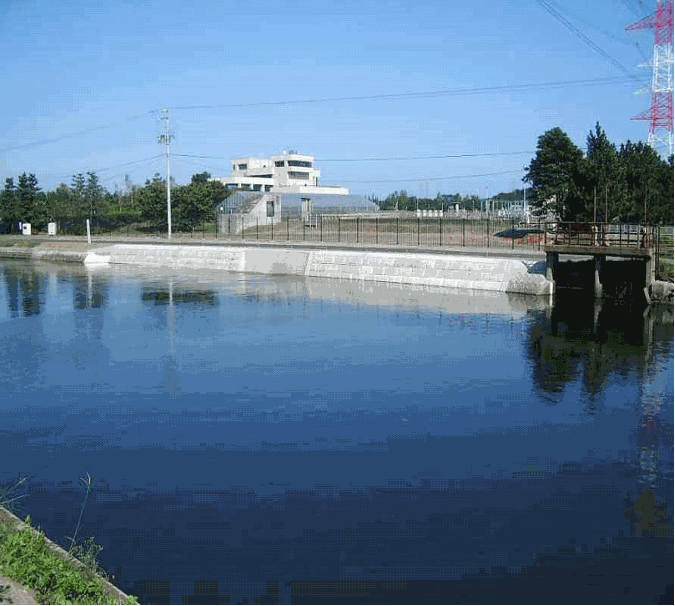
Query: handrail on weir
[(589, 234)]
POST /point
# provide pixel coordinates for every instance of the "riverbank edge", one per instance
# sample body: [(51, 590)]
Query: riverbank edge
[(662, 292), (18, 525), (470, 269)]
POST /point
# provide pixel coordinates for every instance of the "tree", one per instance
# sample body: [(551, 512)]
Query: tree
[(555, 175), (151, 200), (78, 196), (646, 185), (200, 178), (29, 198), (9, 211), (58, 201), (196, 202), (94, 195), (600, 178)]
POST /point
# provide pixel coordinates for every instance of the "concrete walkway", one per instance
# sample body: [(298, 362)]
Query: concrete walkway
[(79, 243)]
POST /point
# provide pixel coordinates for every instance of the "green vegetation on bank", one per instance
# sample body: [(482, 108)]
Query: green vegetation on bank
[(26, 558), (141, 208), (9, 241)]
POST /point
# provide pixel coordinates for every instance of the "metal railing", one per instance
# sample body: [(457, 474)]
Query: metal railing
[(611, 235), (387, 230)]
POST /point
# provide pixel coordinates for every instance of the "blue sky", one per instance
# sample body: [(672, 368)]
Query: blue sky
[(83, 82)]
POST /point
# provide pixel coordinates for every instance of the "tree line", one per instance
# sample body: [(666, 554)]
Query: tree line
[(628, 184), (85, 198), (401, 200)]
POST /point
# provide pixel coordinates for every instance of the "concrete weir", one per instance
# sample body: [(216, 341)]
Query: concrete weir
[(493, 273)]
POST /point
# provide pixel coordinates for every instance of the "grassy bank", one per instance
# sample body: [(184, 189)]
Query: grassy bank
[(56, 576), (27, 557)]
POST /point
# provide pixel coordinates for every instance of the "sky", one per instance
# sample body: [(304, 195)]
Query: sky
[(371, 88)]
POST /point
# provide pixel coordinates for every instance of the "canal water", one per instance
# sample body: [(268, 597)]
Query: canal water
[(250, 436)]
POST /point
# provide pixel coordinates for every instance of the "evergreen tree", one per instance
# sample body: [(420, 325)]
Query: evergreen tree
[(59, 202), (645, 190), (29, 199), (78, 196), (556, 176), (9, 212), (600, 179), (94, 195)]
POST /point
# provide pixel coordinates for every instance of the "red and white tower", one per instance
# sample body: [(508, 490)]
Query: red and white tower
[(660, 113)]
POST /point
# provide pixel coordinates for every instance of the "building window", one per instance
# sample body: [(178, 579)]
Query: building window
[(270, 208), (296, 175), (278, 163), (234, 167), (301, 163), (242, 167), (268, 188), (257, 187)]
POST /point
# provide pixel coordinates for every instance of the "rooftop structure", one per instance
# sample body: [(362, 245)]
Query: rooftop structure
[(288, 172)]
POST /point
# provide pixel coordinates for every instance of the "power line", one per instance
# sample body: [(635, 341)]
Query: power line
[(552, 11), (589, 24), (417, 95), (79, 133), (439, 157), (102, 170), (408, 95), (451, 178), (383, 159)]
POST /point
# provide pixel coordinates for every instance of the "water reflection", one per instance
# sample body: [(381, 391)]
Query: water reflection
[(89, 291), (25, 290), (272, 429), (179, 296), (579, 337)]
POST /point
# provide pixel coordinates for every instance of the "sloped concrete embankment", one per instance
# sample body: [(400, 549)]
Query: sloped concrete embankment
[(451, 271), (47, 254)]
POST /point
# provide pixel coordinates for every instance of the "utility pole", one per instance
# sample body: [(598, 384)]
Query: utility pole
[(166, 139)]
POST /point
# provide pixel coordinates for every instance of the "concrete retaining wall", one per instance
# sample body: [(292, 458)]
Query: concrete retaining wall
[(449, 271), (37, 254)]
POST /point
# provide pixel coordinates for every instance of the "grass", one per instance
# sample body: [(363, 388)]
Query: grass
[(26, 558), (13, 241)]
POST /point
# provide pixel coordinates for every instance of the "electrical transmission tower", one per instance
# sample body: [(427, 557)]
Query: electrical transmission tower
[(660, 113)]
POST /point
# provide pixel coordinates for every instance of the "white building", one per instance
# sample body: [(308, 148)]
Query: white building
[(288, 172)]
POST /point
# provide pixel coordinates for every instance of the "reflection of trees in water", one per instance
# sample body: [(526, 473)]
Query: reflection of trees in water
[(164, 296), (579, 338), (25, 290), (89, 291)]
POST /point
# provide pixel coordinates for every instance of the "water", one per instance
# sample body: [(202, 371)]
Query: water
[(249, 433)]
